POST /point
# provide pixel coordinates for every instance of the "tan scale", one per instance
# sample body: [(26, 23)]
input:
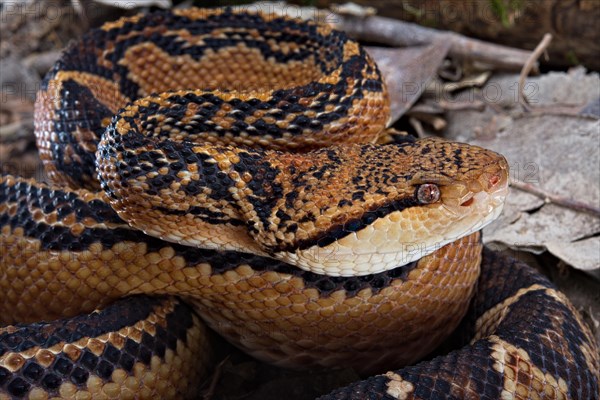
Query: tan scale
[(171, 378), (240, 303)]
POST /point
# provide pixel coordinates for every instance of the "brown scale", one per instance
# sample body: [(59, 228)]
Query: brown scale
[(237, 298), (522, 340), (123, 351), (253, 307), (257, 64)]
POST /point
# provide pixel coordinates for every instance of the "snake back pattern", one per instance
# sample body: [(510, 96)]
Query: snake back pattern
[(218, 170)]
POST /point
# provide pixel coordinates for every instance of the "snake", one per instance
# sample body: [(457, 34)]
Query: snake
[(232, 171)]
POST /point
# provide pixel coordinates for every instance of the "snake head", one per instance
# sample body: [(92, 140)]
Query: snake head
[(380, 207), (460, 191)]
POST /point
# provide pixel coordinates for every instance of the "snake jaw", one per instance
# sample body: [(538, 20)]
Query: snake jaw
[(384, 245)]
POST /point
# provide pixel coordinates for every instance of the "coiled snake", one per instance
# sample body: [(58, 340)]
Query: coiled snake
[(323, 250)]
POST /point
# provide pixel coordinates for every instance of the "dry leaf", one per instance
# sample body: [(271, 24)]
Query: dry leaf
[(557, 153), (582, 254), (407, 72)]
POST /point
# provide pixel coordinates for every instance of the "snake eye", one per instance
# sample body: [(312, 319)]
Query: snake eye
[(428, 193)]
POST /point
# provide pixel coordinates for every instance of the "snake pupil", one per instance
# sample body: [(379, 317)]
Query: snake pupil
[(428, 193)]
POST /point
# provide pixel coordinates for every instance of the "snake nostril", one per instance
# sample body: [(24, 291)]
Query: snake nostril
[(493, 180)]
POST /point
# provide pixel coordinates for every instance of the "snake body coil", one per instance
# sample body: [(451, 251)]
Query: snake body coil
[(342, 252)]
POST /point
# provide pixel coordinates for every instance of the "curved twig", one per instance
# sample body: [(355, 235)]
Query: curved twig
[(555, 199), (529, 65)]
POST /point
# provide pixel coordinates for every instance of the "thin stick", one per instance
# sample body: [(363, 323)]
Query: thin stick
[(555, 199), (399, 33), (462, 105), (418, 127), (16, 130), (529, 65)]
